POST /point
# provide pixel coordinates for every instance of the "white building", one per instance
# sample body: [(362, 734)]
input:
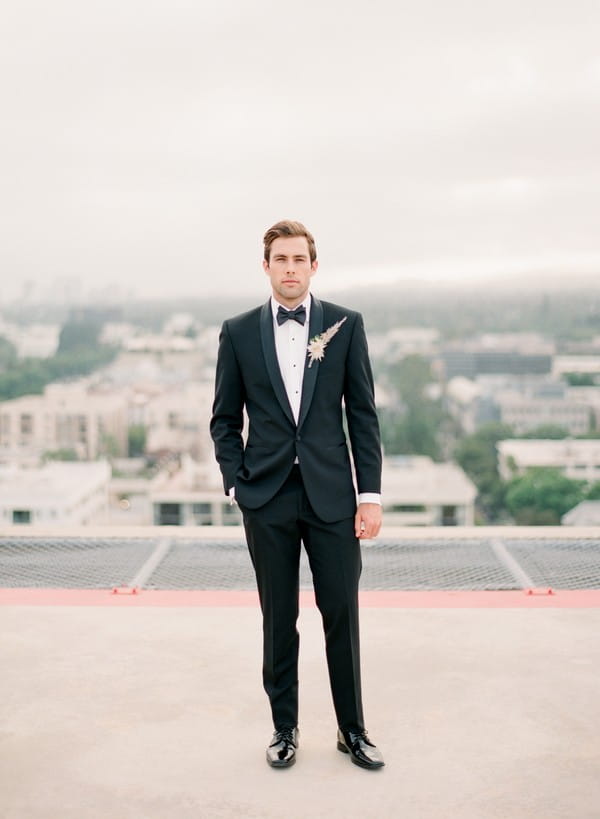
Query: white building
[(193, 496), (66, 416), (524, 414), (586, 513), (178, 419), (579, 459), (589, 396), (524, 403), (55, 494), (581, 364), (416, 491), (32, 340)]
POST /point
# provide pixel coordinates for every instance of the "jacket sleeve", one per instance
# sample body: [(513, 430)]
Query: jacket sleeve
[(227, 414), (363, 424)]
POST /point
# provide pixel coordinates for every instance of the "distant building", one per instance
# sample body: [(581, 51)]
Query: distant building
[(490, 354), (55, 494), (523, 402), (586, 513), (579, 459), (525, 414), (580, 364), (589, 396), (65, 417), (193, 496), (470, 405), (418, 492), (402, 341), (118, 333), (32, 340), (177, 420)]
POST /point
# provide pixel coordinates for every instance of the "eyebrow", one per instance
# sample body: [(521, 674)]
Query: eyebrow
[(295, 256)]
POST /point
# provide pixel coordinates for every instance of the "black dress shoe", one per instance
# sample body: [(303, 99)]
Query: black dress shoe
[(281, 753), (361, 749)]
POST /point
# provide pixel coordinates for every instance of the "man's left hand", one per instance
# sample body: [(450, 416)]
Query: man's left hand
[(367, 521)]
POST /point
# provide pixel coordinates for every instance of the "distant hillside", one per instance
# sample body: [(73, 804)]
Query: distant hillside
[(564, 309)]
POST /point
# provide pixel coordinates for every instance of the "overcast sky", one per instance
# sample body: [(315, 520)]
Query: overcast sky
[(148, 144)]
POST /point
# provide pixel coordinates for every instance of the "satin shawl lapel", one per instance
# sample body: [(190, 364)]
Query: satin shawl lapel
[(315, 327), (267, 338)]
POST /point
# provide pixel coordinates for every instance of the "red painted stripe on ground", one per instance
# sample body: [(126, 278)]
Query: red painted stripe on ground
[(583, 598)]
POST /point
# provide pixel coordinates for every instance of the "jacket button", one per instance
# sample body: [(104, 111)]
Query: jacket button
[(298, 438)]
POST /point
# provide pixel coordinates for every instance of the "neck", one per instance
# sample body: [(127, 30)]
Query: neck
[(290, 304)]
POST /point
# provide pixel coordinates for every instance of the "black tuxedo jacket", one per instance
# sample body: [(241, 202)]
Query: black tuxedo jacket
[(248, 376)]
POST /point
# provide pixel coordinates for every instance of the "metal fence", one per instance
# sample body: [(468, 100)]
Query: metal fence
[(493, 563)]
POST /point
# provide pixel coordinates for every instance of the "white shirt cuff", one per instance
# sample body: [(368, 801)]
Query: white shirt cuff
[(231, 494), (369, 497)]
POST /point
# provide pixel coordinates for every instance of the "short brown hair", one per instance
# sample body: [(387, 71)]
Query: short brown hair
[(285, 228)]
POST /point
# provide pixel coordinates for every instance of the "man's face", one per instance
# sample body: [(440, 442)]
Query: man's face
[(290, 269)]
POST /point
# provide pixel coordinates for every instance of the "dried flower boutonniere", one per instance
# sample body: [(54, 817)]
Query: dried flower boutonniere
[(316, 347)]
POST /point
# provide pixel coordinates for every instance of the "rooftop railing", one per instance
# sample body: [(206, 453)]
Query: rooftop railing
[(216, 558)]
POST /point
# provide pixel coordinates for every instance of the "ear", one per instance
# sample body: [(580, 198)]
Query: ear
[(265, 265), (313, 267)]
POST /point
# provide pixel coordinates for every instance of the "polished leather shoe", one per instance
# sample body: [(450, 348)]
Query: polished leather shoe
[(281, 753), (361, 749)]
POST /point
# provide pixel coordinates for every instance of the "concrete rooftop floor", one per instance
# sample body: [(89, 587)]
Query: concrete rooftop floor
[(134, 712)]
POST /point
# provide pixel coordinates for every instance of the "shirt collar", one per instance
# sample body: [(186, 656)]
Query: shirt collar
[(275, 305)]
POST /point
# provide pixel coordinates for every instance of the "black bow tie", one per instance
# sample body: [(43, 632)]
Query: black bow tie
[(299, 315)]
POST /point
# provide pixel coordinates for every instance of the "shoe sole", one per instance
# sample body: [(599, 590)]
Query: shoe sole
[(289, 764), (368, 766)]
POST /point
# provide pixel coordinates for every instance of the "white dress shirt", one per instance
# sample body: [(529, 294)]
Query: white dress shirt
[(291, 341)]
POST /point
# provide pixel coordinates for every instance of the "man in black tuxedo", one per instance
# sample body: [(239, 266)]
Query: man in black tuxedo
[(290, 364)]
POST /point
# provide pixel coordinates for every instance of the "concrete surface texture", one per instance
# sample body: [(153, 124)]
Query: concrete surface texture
[(158, 713)]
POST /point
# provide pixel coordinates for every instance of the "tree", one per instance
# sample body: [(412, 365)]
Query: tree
[(542, 495), (109, 446), (412, 426), (548, 431), (580, 379), (593, 492), (8, 354), (478, 456), (78, 334), (136, 438), (63, 454), (29, 376)]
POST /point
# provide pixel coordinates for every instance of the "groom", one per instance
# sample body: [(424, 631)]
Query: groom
[(291, 364)]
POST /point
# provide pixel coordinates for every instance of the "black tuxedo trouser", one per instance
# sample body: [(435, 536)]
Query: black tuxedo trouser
[(274, 533)]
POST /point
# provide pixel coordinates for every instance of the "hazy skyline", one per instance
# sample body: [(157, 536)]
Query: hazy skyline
[(150, 144)]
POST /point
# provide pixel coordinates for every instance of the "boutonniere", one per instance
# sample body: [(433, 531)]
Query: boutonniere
[(316, 346)]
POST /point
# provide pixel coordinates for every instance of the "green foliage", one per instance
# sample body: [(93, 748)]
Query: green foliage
[(541, 496), (411, 428), (580, 379), (549, 431), (409, 377), (8, 354), (136, 440), (77, 335), (593, 493), (60, 455), (413, 433), (30, 375), (478, 456), (109, 446)]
